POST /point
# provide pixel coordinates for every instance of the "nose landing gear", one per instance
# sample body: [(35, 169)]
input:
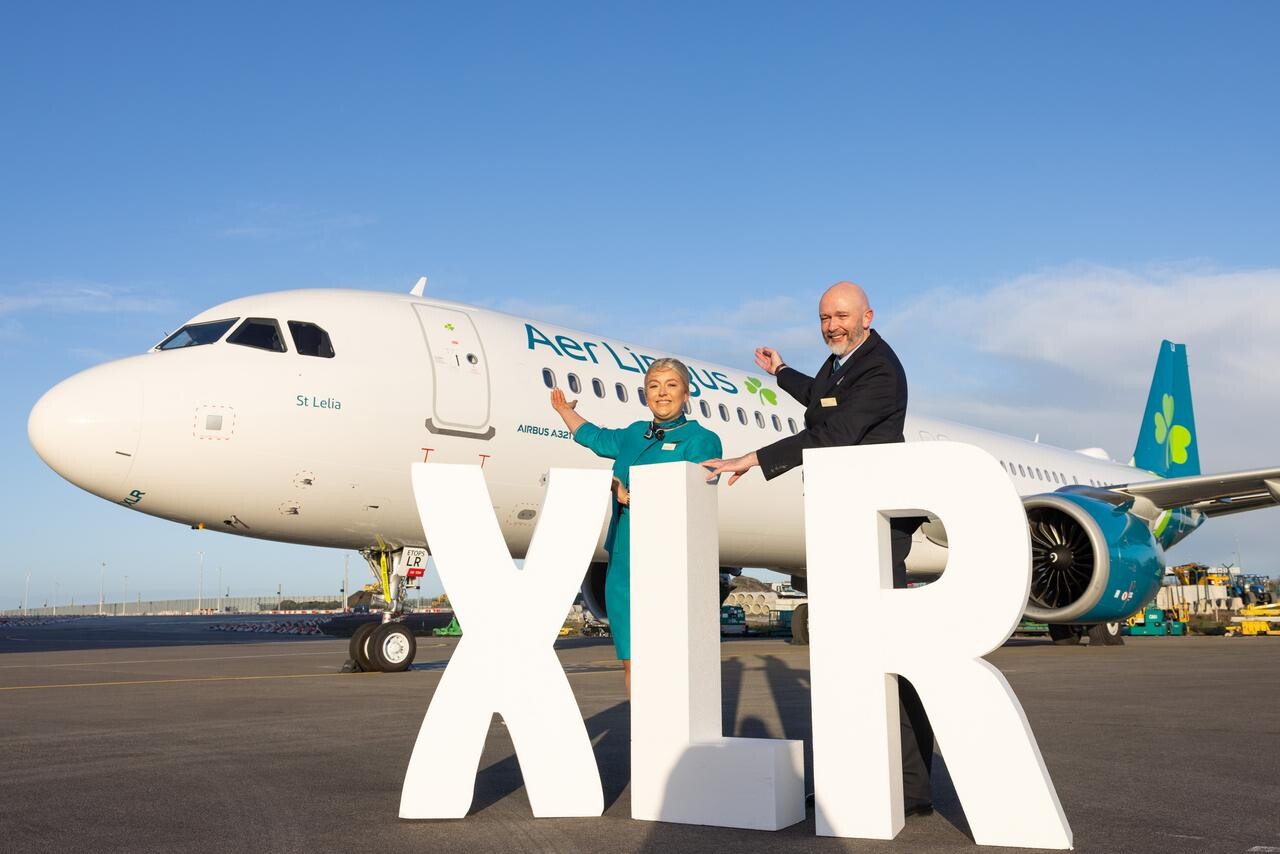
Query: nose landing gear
[(387, 646)]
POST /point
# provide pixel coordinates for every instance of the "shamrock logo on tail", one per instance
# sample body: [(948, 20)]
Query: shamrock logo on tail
[(1174, 437), (756, 387)]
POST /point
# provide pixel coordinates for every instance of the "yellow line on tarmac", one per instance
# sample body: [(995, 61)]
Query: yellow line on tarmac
[(172, 681)]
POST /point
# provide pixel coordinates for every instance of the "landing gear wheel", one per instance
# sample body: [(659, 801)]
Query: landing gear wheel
[(392, 647), (358, 649), (800, 625), (1105, 634), (1064, 635)]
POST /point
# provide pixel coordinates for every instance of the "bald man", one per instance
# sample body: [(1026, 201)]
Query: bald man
[(859, 397)]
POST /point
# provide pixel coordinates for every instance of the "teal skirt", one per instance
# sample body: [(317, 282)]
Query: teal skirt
[(617, 588)]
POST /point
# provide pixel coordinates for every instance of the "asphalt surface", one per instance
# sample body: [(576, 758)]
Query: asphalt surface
[(158, 735)]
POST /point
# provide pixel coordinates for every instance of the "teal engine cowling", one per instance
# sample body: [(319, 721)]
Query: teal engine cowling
[(1092, 561)]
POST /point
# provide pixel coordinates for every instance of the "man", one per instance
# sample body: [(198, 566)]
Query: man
[(859, 397)]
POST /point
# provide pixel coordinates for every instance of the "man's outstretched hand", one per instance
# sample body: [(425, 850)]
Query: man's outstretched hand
[(768, 360), (737, 467)]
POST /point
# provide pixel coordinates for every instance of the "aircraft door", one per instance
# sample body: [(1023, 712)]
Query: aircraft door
[(460, 394)]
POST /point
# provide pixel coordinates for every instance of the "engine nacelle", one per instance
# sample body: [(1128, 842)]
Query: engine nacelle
[(1091, 561), (593, 588)]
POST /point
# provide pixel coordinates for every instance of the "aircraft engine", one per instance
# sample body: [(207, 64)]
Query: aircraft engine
[(593, 591), (593, 588), (1092, 561)]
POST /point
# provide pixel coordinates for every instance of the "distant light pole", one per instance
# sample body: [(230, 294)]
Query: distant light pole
[(200, 589), (55, 598), (102, 579), (26, 594), (123, 594), (220, 603), (346, 559)]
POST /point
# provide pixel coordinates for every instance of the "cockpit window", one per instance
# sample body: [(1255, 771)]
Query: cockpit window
[(260, 332), (195, 334), (310, 340)]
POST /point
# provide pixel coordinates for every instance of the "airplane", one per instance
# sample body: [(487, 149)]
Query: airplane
[(292, 416)]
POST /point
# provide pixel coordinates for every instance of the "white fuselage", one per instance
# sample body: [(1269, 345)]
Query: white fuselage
[(304, 449)]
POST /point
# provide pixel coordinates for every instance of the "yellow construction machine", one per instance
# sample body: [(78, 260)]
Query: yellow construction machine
[(1256, 620)]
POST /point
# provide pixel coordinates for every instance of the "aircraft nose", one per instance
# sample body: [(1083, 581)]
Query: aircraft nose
[(86, 428)]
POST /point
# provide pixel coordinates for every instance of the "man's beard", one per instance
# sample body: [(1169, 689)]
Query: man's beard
[(845, 347)]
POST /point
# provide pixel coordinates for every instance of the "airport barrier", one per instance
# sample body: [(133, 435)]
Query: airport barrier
[(277, 627)]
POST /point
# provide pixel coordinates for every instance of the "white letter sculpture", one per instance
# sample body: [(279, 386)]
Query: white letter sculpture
[(505, 662), (682, 769), (991, 753)]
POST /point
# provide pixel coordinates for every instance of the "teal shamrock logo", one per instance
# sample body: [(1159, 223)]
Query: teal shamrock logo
[(756, 387), (1174, 437), (449, 326)]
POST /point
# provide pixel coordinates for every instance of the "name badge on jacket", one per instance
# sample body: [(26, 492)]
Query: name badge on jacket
[(828, 401), (669, 446)]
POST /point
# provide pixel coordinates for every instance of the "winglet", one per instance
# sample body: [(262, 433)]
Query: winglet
[(419, 287)]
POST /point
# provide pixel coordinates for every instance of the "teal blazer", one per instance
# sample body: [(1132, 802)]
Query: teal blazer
[(682, 440)]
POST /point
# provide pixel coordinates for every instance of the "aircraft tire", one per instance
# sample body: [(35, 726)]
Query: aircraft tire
[(800, 625), (392, 648), (358, 650), (1064, 635), (1106, 634)]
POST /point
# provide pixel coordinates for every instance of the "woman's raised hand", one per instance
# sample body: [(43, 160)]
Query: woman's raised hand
[(559, 403)]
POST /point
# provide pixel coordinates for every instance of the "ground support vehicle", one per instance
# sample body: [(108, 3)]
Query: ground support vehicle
[(733, 620), (1256, 620), (453, 630), (1153, 622)]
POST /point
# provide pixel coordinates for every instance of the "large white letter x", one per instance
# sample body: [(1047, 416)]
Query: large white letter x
[(505, 662)]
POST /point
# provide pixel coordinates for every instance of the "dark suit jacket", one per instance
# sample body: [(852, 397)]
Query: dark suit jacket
[(870, 394)]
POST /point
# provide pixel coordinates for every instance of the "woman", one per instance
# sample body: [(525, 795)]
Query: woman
[(668, 437)]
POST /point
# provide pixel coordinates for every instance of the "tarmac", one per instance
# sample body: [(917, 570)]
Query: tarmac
[(156, 734)]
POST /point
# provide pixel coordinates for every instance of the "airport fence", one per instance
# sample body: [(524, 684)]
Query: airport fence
[(157, 607)]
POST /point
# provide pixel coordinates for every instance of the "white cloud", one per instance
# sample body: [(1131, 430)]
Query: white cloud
[(1068, 353), (565, 314), (730, 336), (79, 297), (280, 221)]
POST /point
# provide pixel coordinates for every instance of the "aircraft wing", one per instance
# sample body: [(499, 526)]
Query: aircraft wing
[(1211, 494)]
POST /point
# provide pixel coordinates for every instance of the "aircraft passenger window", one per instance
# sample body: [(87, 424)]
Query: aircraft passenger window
[(688, 408), (705, 407), (597, 387), (260, 332), (310, 340), (742, 415), (759, 420), (640, 396), (777, 423), (1021, 470), (548, 378), (791, 425), (621, 391), (1076, 479), (195, 334), (724, 412), (1040, 475), (575, 384)]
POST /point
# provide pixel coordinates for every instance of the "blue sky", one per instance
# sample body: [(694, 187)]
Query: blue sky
[(1033, 195)]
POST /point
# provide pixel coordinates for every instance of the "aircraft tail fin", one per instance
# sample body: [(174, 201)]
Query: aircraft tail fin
[(1167, 441)]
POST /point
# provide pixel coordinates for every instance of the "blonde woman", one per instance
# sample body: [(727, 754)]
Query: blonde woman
[(667, 437)]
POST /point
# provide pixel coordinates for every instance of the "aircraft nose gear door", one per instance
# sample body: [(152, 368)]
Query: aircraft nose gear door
[(460, 395)]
